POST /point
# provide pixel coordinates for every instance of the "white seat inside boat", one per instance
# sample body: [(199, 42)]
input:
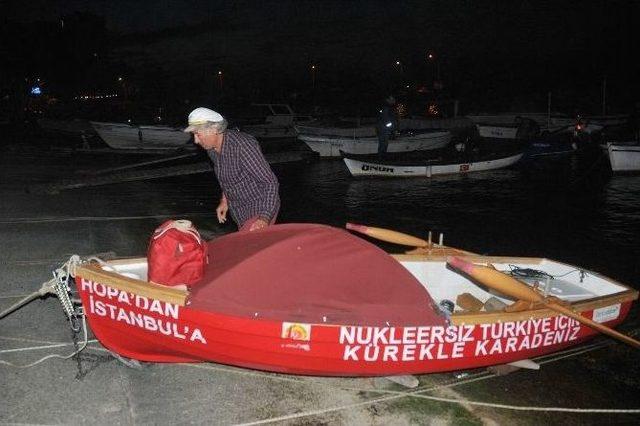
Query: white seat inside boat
[(132, 268), (567, 282)]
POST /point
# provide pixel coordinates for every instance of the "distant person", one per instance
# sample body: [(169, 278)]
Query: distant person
[(249, 187), (387, 124)]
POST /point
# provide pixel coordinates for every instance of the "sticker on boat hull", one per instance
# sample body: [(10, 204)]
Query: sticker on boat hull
[(296, 331), (607, 313)]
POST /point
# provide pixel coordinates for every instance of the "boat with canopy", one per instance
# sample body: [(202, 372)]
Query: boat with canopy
[(316, 300)]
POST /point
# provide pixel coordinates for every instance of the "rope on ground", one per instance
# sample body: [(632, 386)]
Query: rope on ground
[(44, 290), (417, 393), (58, 285), (77, 351), (37, 348)]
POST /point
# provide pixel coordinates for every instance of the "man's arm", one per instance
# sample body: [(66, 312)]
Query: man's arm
[(221, 210)]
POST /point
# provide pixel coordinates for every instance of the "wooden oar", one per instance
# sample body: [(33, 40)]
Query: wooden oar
[(515, 288), (388, 235)]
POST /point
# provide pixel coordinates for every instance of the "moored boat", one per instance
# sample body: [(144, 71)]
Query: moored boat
[(501, 125), (278, 121), (505, 131), (407, 140), (550, 145), (624, 157), (339, 128), (414, 166), (74, 127), (548, 122), (125, 136), (311, 299)]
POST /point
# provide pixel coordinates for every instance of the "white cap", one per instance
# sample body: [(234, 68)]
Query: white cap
[(200, 116)]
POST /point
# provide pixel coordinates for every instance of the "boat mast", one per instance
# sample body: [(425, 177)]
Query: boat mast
[(548, 110), (604, 96)]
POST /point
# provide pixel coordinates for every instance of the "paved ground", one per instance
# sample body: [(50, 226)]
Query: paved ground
[(38, 230)]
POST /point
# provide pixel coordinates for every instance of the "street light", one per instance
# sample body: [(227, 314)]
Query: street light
[(313, 76), (123, 83), (400, 69), (220, 79), (431, 57)]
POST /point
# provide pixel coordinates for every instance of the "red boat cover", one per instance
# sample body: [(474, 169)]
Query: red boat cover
[(313, 274)]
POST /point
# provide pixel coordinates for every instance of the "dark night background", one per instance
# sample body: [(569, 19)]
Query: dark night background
[(491, 56)]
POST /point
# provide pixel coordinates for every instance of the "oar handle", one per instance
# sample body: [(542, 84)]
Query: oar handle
[(388, 235), (595, 325)]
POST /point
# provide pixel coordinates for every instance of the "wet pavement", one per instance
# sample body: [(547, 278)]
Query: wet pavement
[(40, 230)]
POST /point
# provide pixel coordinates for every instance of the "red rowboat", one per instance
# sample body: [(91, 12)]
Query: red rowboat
[(312, 299)]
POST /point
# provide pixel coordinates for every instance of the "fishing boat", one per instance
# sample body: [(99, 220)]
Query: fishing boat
[(347, 127), (624, 157), (549, 145), (365, 127), (406, 140), (503, 125), (419, 166), (123, 136), (548, 122), (316, 300), (277, 121), (505, 131), (73, 127)]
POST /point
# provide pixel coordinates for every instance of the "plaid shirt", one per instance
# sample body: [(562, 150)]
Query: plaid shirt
[(246, 178)]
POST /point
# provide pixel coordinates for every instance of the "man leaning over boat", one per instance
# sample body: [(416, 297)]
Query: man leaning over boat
[(249, 186)]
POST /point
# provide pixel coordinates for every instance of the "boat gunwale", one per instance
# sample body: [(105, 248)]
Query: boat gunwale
[(121, 282), (179, 297), (434, 162), (432, 133)]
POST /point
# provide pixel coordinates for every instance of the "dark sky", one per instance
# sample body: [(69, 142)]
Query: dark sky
[(486, 49), (121, 15)]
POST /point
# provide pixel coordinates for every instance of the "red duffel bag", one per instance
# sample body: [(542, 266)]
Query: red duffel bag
[(177, 254)]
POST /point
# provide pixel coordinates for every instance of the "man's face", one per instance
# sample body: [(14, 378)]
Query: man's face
[(207, 139)]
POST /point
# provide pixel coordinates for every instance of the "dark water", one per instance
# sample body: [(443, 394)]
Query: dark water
[(572, 210)]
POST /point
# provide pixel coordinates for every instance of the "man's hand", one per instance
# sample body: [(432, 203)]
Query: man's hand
[(221, 210), (258, 224)]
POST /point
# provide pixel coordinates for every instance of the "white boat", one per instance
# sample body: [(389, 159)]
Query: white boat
[(131, 137), (330, 146), (551, 123), (497, 131), (521, 129), (624, 157), (428, 168), (547, 122), (366, 127), (343, 127), (278, 121), (74, 127)]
